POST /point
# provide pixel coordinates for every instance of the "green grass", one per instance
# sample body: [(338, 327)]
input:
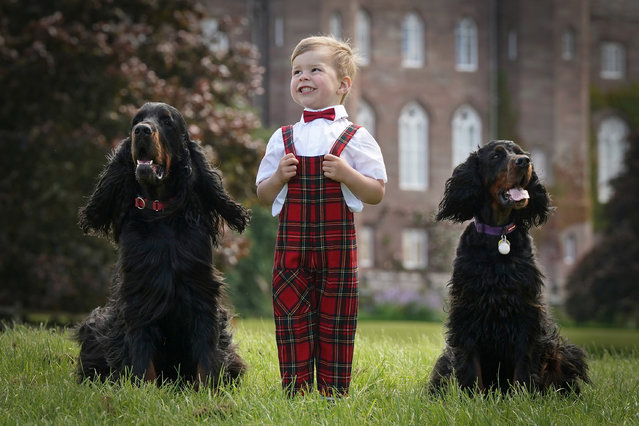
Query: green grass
[(391, 367)]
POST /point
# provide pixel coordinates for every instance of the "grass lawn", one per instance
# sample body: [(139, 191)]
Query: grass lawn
[(391, 367)]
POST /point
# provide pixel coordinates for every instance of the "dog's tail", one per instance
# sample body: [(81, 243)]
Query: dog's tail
[(233, 365), (442, 372), (565, 367), (92, 362)]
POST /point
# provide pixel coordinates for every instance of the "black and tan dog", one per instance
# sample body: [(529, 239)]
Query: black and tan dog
[(498, 331), (163, 205)]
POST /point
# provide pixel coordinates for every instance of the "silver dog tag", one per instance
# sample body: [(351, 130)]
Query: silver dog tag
[(504, 245)]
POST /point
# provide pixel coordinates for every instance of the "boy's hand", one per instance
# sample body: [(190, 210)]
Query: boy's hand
[(336, 168), (367, 189), (268, 189), (287, 168)]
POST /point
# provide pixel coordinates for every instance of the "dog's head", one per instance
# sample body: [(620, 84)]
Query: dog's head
[(159, 161), (158, 135), (498, 184)]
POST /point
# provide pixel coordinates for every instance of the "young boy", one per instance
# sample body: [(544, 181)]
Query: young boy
[(315, 174)]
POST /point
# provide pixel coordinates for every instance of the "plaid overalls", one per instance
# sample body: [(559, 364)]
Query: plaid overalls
[(315, 278)]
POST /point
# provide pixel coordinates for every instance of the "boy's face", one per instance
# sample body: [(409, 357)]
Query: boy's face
[(314, 80)]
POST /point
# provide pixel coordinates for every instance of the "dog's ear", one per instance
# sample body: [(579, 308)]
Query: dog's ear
[(210, 190), (462, 196), (115, 188), (538, 209)]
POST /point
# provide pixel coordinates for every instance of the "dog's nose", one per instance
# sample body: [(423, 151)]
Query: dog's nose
[(522, 161), (142, 129)]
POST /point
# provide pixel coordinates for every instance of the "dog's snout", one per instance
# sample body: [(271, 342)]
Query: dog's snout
[(142, 129), (522, 161)]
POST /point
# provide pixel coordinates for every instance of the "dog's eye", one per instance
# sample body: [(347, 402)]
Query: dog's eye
[(166, 120)]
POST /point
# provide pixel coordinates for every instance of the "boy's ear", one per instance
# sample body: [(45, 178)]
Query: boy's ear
[(345, 85)]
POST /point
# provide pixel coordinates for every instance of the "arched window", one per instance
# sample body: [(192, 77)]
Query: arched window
[(363, 36), (335, 25), (466, 45), (366, 116), (412, 41), (611, 148), (466, 133), (413, 148)]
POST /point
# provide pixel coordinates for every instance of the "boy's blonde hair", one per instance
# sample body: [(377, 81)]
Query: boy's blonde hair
[(345, 59)]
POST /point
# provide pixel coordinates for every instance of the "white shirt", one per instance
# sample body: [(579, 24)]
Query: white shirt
[(316, 138)]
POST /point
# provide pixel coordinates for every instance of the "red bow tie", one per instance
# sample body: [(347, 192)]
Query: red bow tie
[(328, 114)]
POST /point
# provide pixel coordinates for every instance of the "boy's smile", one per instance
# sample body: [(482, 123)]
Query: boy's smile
[(314, 80)]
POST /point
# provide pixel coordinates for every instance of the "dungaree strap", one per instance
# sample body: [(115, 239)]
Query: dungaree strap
[(287, 135), (343, 139)]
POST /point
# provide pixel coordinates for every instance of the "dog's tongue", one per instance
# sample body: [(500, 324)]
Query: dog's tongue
[(518, 194)]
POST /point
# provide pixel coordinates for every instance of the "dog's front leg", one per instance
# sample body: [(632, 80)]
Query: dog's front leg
[(468, 369), (203, 348), (142, 350), (522, 361)]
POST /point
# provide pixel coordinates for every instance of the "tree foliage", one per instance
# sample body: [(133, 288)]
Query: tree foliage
[(72, 74), (603, 286)]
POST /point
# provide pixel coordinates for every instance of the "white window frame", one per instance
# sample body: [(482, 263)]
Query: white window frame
[(278, 31), (363, 36), (366, 246), (613, 60), (414, 248), (466, 45), (570, 249), (512, 45), (540, 163), (612, 144), (568, 45), (413, 148), (335, 25), (466, 130), (412, 41), (366, 116)]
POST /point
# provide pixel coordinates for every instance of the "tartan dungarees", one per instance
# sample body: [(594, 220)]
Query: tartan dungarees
[(315, 298)]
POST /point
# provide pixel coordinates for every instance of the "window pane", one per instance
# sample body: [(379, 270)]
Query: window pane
[(415, 248), (413, 148), (335, 25), (466, 45), (613, 60), (611, 148), (365, 246), (466, 133), (568, 45), (363, 36), (366, 116), (412, 41)]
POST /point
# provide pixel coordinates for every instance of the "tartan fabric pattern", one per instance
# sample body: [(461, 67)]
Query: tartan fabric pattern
[(315, 299)]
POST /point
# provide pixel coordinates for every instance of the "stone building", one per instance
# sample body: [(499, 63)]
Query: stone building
[(440, 77)]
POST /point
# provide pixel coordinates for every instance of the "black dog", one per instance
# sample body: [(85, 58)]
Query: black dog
[(163, 205), (498, 331)]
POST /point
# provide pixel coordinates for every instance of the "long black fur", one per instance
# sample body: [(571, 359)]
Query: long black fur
[(164, 318), (498, 330)]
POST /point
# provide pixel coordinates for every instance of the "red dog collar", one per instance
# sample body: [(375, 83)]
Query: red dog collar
[(155, 205)]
